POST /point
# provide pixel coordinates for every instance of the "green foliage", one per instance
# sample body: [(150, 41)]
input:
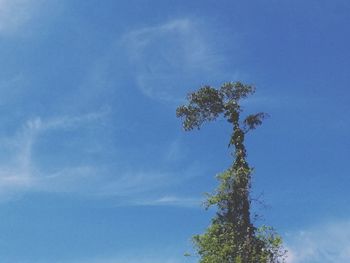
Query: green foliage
[(231, 237), (219, 244)]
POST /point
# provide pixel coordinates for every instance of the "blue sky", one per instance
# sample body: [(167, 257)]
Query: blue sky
[(94, 165)]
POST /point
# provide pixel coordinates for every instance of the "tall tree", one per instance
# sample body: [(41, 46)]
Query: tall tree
[(231, 237)]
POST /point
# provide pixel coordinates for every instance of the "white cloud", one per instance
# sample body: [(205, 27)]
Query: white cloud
[(163, 54), (326, 243), (15, 13)]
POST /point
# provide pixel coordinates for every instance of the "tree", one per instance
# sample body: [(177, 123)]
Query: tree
[(231, 237)]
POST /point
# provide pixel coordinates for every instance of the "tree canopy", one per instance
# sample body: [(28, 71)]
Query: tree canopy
[(231, 237)]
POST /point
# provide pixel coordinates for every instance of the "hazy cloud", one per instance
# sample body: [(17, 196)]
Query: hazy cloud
[(326, 243), (22, 172), (16, 13), (162, 54), (18, 173)]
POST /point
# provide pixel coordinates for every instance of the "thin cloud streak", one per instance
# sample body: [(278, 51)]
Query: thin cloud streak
[(130, 259), (171, 200), (139, 186)]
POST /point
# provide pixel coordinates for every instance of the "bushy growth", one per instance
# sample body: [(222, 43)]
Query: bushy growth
[(231, 237)]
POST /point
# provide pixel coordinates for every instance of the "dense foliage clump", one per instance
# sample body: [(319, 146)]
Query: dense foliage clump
[(231, 237)]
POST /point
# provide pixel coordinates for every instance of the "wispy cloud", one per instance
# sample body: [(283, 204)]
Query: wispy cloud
[(176, 151), (145, 187), (63, 122), (22, 171), (163, 54), (15, 13), (325, 243), (18, 172)]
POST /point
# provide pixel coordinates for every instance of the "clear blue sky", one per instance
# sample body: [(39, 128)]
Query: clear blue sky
[(94, 165)]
